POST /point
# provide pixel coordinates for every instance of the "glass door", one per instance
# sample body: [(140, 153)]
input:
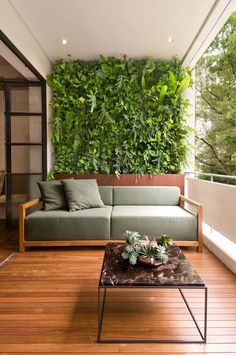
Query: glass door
[(25, 144)]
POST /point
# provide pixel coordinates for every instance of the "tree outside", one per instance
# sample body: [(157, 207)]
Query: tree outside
[(216, 104)]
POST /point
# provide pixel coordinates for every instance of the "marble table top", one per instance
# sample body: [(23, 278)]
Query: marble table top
[(118, 272)]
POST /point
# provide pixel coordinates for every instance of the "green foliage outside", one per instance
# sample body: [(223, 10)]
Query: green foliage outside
[(216, 104), (119, 116)]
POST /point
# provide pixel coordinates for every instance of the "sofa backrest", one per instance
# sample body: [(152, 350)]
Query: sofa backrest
[(146, 195), (106, 193)]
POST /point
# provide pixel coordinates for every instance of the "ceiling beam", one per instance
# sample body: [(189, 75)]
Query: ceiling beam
[(214, 21)]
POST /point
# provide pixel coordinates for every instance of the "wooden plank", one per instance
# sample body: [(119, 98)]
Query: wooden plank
[(119, 348), (48, 305)]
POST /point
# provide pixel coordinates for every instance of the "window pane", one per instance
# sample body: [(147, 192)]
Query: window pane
[(26, 129), (26, 99), (24, 187), (26, 159)]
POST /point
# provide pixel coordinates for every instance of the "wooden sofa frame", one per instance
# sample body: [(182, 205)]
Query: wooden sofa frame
[(25, 243)]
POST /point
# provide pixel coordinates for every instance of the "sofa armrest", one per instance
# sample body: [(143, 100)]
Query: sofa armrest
[(188, 200), (198, 207), (22, 213)]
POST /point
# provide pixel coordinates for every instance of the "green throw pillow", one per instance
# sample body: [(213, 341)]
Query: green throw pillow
[(53, 195), (82, 194)]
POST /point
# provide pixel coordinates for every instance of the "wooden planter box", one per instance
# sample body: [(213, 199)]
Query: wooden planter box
[(131, 179)]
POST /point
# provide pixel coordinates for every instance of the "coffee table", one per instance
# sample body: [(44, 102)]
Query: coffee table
[(176, 274)]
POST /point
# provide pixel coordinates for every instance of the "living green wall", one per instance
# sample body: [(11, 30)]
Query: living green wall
[(119, 116)]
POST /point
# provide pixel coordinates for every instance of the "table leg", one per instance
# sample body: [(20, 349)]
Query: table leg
[(101, 307), (205, 315), (100, 311), (203, 335)]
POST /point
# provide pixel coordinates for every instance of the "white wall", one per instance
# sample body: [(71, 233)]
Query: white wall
[(219, 227), (219, 204)]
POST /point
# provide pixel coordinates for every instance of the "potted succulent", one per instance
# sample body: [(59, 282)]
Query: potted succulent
[(143, 250)]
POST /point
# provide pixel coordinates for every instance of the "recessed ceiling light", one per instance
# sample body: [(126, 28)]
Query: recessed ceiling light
[(170, 39), (64, 41)]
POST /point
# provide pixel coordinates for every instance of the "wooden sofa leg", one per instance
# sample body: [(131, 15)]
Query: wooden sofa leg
[(200, 248), (21, 248)]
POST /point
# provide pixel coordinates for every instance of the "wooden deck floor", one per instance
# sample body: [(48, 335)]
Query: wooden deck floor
[(48, 305)]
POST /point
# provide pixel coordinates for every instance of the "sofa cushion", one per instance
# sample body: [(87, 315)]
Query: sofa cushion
[(106, 193), (82, 194), (146, 195), (64, 225), (154, 221), (53, 196)]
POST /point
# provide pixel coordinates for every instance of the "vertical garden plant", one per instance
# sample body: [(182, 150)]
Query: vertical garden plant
[(119, 116)]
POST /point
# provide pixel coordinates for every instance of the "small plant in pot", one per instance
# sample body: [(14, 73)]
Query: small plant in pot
[(151, 255), (140, 249)]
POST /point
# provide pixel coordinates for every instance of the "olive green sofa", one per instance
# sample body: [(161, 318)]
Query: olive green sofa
[(151, 210)]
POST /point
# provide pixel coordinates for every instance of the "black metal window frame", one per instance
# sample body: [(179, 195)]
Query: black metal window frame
[(42, 83), (8, 114), (8, 84)]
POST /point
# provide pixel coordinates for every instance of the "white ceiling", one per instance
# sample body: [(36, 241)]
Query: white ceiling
[(137, 28)]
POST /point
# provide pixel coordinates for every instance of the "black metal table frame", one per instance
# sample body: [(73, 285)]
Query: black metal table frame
[(101, 308)]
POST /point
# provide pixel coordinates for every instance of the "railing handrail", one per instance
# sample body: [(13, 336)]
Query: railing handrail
[(211, 175)]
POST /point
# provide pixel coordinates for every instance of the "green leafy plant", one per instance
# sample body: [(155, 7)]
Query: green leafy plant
[(142, 247), (119, 116), (133, 237), (165, 241), (216, 105), (131, 253)]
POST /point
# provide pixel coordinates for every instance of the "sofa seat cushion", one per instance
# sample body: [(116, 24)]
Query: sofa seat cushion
[(154, 221), (86, 224)]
